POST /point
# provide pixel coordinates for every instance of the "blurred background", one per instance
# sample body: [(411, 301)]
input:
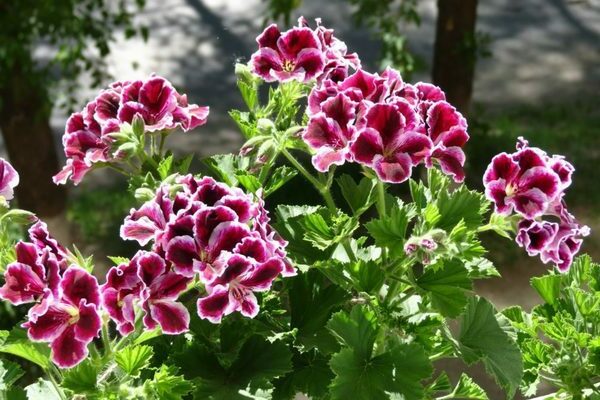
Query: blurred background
[(513, 67)]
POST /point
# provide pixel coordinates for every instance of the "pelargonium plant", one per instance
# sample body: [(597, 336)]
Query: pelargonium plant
[(234, 294)]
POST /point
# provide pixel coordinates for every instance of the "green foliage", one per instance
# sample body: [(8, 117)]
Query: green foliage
[(82, 379), (446, 286), (167, 385), (16, 343), (133, 359), (559, 338), (483, 338), (360, 373)]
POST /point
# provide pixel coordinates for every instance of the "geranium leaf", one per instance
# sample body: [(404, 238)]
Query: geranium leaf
[(358, 196), (467, 389), (482, 338), (167, 385), (10, 372), (82, 378), (133, 359), (548, 287), (359, 378), (17, 344), (462, 204), (356, 330), (391, 230), (446, 286)]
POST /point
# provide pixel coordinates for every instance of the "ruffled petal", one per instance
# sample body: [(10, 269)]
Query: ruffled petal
[(67, 351), (172, 316), (214, 306)]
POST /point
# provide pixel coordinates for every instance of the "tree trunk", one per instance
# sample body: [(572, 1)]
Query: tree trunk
[(454, 54), (24, 120)]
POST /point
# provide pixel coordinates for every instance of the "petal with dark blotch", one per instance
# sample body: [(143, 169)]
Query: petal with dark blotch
[(456, 136), (242, 206), (247, 305), (172, 316), (451, 160), (416, 145), (261, 278), (264, 61), (253, 247), (322, 131), (387, 120), (27, 254), (429, 92), (78, 284), (531, 203), (182, 251), (67, 351), (21, 284), (226, 236), (540, 178), (50, 324), (268, 38), (441, 117), (89, 323), (395, 169), (208, 218), (340, 108), (367, 146), (563, 169), (292, 42), (214, 306), (530, 157), (501, 167), (168, 286), (495, 191), (309, 61), (149, 266)]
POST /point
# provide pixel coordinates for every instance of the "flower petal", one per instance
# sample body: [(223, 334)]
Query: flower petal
[(172, 316), (67, 351), (77, 284), (89, 323), (214, 306)]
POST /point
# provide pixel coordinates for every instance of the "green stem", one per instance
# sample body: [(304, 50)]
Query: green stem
[(119, 170), (106, 340), (381, 209), (56, 385), (318, 185), (161, 146)]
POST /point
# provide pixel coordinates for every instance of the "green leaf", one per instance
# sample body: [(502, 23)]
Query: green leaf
[(324, 230), (260, 360), (42, 390), (133, 359), (462, 204), (390, 231), (118, 260), (279, 177), (312, 301), (482, 338), (417, 192), (356, 330), (446, 287), (82, 378), (436, 180), (248, 181), (467, 389), (18, 344), (368, 276), (226, 166), (359, 378), (548, 287), (147, 335), (359, 197), (167, 385), (289, 226), (10, 372), (412, 366), (164, 167), (310, 375)]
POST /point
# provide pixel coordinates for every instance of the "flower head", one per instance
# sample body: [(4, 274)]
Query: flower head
[(69, 320), (198, 226)]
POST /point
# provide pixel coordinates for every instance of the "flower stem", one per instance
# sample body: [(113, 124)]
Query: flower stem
[(318, 185), (382, 210), (55, 383), (106, 340)]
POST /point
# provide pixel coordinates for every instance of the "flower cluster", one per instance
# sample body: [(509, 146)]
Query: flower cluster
[(532, 184), (147, 281), (385, 124), (9, 178), (88, 135), (301, 54), (66, 298), (204, 228)]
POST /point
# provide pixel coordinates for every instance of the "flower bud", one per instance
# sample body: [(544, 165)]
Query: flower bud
[(21, 217), (138, 126)]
